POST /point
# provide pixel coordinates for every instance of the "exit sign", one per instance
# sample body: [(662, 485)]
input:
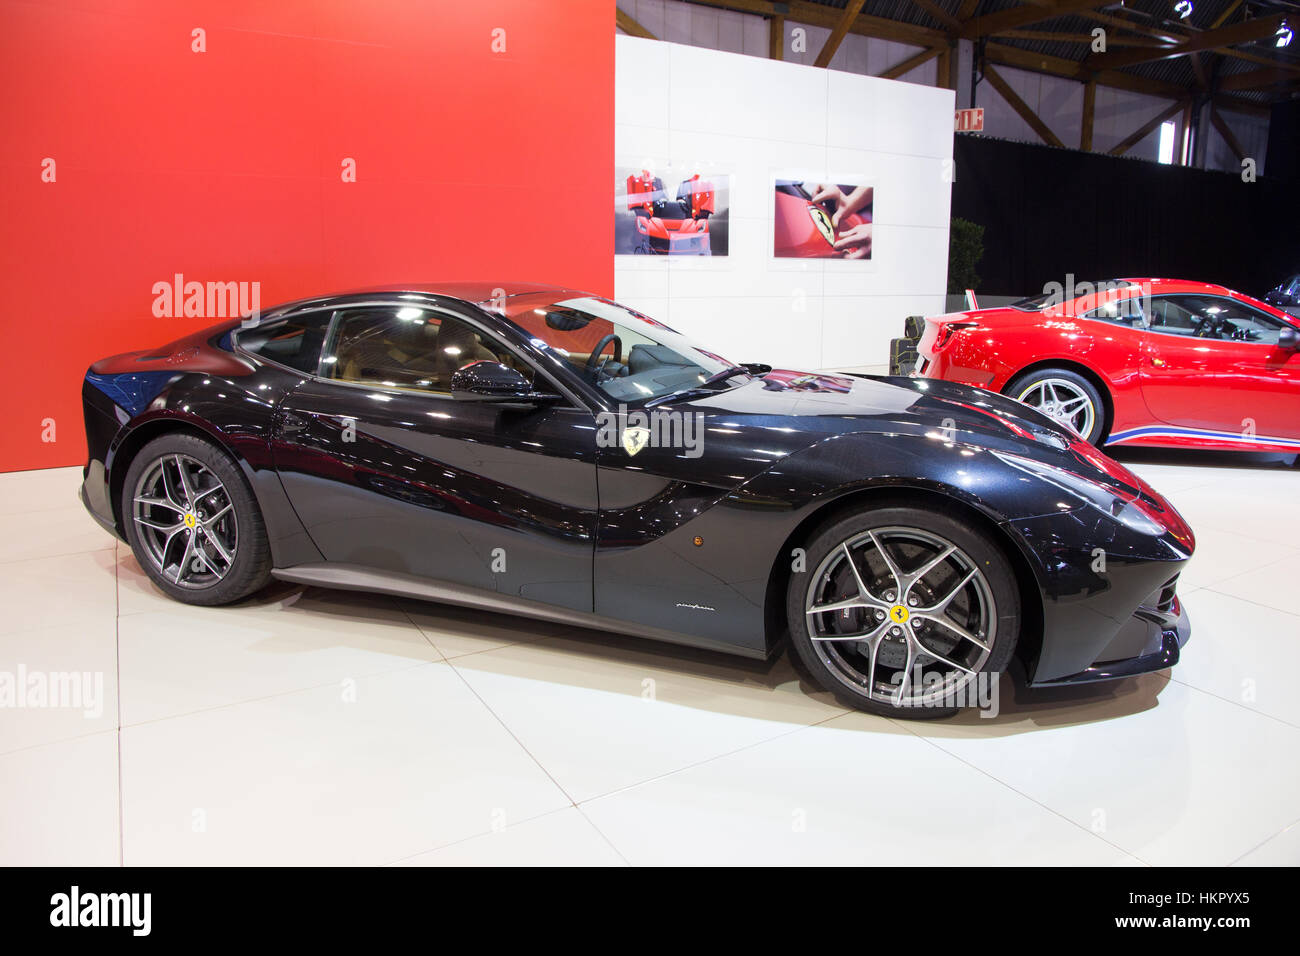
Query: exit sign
[(970, 121)]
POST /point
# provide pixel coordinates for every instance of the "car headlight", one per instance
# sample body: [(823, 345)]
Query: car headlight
[(1117, 504)]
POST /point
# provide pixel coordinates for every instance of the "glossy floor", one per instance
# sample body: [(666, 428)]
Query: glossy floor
[(314, 727)]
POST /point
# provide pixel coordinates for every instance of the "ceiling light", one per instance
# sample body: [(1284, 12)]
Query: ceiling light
[(1283, 36), (1183, 8)]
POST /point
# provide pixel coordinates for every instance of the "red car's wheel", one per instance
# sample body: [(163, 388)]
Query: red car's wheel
[(1066, 397)]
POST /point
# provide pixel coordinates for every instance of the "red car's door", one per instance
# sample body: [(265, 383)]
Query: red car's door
[(1213, 364)]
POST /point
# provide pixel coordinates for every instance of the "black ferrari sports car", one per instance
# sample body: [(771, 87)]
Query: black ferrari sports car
[(546, 452)]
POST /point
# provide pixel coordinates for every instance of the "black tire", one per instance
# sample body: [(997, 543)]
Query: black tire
[(999, 587), (1096, 433), (249, 567)]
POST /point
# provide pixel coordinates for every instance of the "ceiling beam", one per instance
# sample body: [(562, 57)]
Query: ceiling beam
[(911, 63), (1246, 31), (837, 33), (1176, 35), (1226, 132), (1256, 79), (1089, 109), (1021, 59), (1014, 17), (1198, 69), (1086, 38), (950, 23), (776, 37), (943, 68), (630, 26), (1223, 17), (1145, 130), (818, 15), (1021, 107), (1121, 23)]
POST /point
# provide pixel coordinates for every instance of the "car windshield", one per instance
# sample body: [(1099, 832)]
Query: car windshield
[(630, 357)]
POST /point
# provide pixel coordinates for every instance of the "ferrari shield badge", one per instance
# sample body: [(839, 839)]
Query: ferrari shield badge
[(635, 438), (823, 223)]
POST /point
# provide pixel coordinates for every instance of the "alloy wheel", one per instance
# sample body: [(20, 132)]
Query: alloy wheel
[(901, 615), (186, 521), (1064, 402)]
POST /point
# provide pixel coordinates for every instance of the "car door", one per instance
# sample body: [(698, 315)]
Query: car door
[(387, 471), (1213, 364)]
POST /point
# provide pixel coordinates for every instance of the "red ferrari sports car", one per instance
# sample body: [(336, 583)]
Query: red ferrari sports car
[(1135, 362), (671, 227)]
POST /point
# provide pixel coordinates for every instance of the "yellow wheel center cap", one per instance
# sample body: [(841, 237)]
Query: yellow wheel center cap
[(898, 614), (190, 520)]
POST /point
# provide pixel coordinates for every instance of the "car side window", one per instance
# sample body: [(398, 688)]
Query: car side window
[(1214, 317), (295, 342), (1170, 316), (408, 347), (1126, 311)]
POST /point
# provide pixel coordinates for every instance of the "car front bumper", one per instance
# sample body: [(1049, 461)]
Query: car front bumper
[(1162, 635)]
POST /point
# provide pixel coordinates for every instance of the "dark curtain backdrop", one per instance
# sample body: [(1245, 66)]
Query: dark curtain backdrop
[(1048, 212)]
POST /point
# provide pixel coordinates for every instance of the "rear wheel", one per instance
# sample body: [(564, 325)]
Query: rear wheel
[(902, 609), (1066, 397), (193, 523)]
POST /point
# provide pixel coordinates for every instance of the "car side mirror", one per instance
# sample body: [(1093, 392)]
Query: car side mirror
[(1288, 338), (498, 384)]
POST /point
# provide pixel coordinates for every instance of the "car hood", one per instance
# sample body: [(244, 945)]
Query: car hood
[(750, 428), (810, 406)]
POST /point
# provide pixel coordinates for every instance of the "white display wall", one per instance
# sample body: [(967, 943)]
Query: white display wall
[(758, 120)]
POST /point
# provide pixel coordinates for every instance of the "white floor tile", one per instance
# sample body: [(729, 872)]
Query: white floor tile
[(65, 683), (182, 659), (43, 489), (1243, 652), (1272, 585), (1169, 773), (1221, 555), (58, 804), (415, 763), (74, 590), (29, 535), (564, 838), (857, 791), (603, 712), (1281, 850)]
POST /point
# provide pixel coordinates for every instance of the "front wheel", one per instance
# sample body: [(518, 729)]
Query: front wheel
[(1065, 397), (901, 609), (193, 523)]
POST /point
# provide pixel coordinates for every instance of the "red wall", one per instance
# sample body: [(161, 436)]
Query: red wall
[(225, 165)]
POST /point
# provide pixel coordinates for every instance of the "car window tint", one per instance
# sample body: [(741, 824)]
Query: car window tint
[(295, 342), (1214, 317), (1127, 311), (408, 347)]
